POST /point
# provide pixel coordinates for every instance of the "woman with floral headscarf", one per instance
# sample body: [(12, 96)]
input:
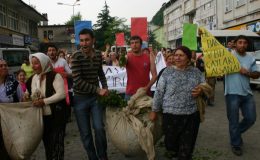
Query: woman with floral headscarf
[(46, 89)]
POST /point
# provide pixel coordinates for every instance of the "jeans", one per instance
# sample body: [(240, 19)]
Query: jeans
[(86, 106), (248, 110)]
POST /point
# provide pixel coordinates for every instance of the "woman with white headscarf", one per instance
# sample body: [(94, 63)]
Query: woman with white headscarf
[(46, 89)]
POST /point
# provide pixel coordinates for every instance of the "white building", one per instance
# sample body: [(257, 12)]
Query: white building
[(212, 14), (240, 15)]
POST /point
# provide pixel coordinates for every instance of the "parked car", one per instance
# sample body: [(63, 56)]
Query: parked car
[(14, 57), (255, 82)]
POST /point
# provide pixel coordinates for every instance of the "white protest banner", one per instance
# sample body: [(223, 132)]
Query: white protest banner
[(117, 78)]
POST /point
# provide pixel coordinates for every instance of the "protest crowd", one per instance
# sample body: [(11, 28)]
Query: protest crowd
[(165, 94)]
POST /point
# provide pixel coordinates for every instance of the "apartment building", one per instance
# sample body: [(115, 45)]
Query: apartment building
[(178, 12), (211, 14), (18, 24), (240, 15), (60, 35)]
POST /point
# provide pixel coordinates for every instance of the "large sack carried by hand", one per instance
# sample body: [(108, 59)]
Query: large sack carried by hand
[(130, 129), (22, 128)]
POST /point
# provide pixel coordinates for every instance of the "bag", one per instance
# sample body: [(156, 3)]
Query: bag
[(130, 129), (22, 128)]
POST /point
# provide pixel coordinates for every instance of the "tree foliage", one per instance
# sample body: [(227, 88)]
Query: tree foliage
[(107, 26), (158, 17), (74, 18), (152, 41)]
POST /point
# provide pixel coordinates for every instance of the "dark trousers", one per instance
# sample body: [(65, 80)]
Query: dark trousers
[(181, 133), (53, 139)]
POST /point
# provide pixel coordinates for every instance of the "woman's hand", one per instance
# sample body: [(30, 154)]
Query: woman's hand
[(196, 91), (153, 116), (38, 103)]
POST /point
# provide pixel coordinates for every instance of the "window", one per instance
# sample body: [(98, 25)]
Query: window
[(12, 20), (2, 15), (229, 5), (207, 6), (24, 25), (15, 58), (33, 28), (240, 3)]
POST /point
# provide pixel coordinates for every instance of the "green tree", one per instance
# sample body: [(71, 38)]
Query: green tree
[(74, 18), (152, 41), (158, 17), (107, 26)]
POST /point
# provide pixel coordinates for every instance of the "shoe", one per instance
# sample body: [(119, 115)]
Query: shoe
[(237, 151)]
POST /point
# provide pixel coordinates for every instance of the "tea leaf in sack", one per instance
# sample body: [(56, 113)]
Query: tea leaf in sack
[(112, 100)]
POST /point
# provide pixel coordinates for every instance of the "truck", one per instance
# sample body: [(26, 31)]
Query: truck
[(14, 57)]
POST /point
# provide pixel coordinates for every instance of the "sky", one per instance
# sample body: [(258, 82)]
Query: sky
[(89, 9)]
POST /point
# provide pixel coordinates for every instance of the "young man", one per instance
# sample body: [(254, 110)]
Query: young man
[(138, 68), (87, 71), (238, 94)]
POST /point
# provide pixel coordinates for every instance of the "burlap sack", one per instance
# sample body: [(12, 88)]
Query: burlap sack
[(130, 129), (22, 128)]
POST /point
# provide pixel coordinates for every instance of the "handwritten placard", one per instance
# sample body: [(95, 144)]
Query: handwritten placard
[(218, 60)]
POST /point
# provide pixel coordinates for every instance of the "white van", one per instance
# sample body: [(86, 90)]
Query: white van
[(14, 57)]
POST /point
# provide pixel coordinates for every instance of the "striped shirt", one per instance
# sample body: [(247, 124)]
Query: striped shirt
[(87, 71)]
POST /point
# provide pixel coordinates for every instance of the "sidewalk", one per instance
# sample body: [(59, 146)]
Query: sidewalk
[(212, 142)]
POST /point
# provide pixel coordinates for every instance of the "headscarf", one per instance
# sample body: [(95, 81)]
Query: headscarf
[(44, 60), (45, 64)]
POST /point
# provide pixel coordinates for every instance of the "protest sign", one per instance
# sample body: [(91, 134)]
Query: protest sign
[(117, 78), (217, 59), (189, 38)]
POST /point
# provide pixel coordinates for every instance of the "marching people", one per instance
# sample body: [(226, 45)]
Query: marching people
[(21, 78), (238, 95), (113, 59), (46, 89), (10, 91), (139, 64), (175, 95), (169, 59), (26, 66), (87, 72)]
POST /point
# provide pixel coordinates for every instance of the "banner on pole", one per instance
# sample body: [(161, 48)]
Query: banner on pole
[(120, 39), (189, 38), (218, 60), (79, 25), (139, 27)]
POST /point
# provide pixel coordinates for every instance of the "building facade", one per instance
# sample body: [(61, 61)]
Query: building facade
[(19, 24), (211, 14), (241, 15), (61, 35)]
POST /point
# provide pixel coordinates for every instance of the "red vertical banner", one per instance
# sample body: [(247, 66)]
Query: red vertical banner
[(139, 27), (120, 39)]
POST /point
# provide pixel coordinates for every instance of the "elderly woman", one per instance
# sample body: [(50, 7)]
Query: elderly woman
[(176, 94), (46, 88), (10, 91)]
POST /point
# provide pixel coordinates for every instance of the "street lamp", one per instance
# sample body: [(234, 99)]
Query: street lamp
[(73, 5)]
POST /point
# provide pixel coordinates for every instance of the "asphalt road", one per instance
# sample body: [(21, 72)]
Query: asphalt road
[(212, 142)]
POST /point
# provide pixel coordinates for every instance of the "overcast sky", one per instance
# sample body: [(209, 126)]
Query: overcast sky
[(89, 9)]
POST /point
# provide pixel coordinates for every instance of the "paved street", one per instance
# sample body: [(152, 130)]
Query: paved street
[(212, 142)]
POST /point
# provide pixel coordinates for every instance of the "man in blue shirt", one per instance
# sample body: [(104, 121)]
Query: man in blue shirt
[(238, 94)]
